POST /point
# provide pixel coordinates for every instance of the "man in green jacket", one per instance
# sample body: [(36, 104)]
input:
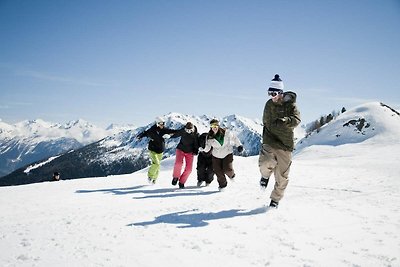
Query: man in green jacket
[(280, 117)]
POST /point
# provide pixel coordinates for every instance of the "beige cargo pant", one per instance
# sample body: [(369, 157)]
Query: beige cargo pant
[(276, 161)]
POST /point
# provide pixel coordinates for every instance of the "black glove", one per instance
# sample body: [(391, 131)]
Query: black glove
[(240, 149), (140, 136)]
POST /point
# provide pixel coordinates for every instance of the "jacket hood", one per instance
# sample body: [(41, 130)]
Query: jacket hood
[(289, 97)]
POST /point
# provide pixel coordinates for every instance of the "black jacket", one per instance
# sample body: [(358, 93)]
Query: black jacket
[(157, 142), (189, 143), (202, 144)]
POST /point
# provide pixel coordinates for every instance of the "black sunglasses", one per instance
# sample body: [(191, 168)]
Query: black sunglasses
[(273, 94)]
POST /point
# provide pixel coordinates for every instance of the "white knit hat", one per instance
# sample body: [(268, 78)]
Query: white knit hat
[(276, 84), (159, 120)]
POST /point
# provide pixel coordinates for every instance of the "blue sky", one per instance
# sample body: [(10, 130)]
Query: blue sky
[(130, 61)]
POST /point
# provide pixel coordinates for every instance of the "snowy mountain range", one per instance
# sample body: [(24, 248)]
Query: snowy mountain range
[(30, 141), (340, 209), (122, 153)]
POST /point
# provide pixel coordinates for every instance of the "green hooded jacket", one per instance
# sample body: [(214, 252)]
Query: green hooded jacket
[(279, 121)]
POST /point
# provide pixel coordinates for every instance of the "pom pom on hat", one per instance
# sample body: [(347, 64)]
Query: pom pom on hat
[(276, 84)]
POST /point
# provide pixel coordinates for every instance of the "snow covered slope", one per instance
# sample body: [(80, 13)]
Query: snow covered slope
[(357, 125), (340, 209)]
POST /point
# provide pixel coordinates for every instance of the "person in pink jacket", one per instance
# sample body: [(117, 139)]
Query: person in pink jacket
[(222, 142)]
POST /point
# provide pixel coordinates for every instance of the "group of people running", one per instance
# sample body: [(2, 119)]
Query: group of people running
[(215, 148)]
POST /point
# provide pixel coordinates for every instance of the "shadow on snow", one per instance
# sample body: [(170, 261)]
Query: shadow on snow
[(199, 219), (115, 191), (152, 193), (186, 218)]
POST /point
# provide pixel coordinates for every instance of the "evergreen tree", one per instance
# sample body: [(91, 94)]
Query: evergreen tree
[(318, 125), (329, 118), (322, 121)]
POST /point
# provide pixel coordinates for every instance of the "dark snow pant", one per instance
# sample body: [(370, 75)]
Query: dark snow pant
[(204, 168), (277, 162), (223, 167)]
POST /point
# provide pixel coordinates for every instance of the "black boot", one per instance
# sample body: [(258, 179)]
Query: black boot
[(181, 186), (264, 182), (273, 204), (174, 181)]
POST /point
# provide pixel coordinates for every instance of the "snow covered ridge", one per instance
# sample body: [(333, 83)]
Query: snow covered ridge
[(32, 140), (32, 167), (80, 130), (372, 121)]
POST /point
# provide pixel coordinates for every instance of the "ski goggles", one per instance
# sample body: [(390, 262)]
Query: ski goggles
[(189, 131), (214, 125), (273, 94)]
